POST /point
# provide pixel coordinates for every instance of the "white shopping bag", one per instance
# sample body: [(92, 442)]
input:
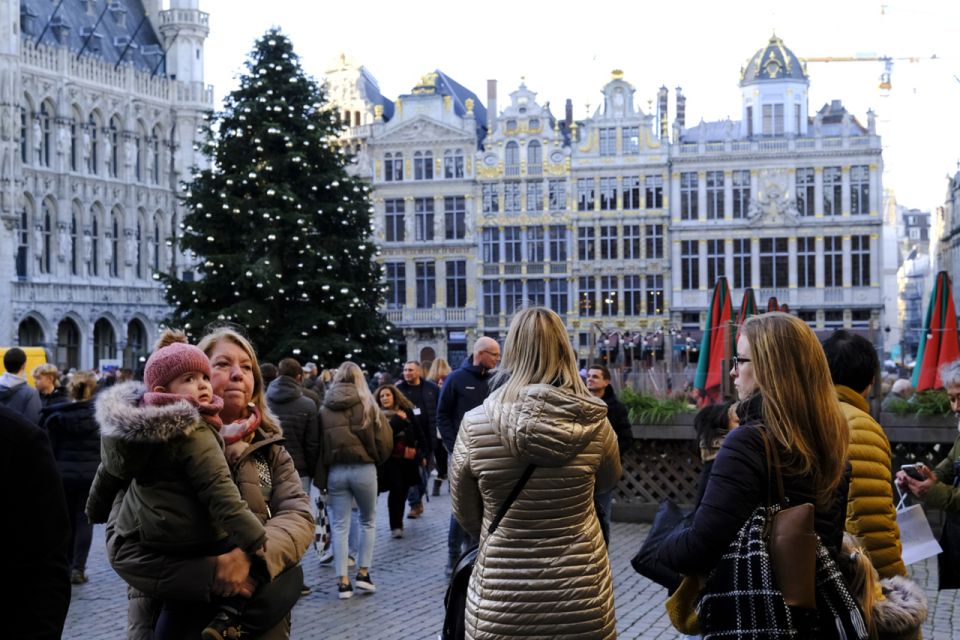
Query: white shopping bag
[(916, 537)]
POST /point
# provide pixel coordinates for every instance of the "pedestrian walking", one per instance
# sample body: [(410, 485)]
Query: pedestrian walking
[(356, 438), (544, 571), (423, 395), (402, 470), (438, 373), (15, 393)]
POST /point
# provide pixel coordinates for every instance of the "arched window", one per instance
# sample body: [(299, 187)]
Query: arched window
[(24, 143), (43, 144), (46, 243), (94, 244), (91, 143), (30, 333), (511, 159), (135, 355), (534, 158), (23, 241), (115, 245), (155, 258), (111, 147), (76, 138), (356, 118), (153, 156), (139, 239), (75, 241), (68, 345), (104, 341), (139, 145)]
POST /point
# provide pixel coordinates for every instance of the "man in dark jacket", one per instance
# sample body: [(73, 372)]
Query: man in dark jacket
[(35, 565), (15, 393), (464, 389), (598, 383), (424, 396), (298, 418)]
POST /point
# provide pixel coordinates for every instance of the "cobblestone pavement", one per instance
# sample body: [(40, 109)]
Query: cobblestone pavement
[(409, 573)]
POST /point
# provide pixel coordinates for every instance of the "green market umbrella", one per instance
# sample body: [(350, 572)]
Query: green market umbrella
[(710, 371), (938, 341)]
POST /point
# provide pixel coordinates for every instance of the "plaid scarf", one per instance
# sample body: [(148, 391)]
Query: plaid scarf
[(741, 599)]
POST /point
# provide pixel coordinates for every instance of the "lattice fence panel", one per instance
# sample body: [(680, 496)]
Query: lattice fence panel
[(656, 470)]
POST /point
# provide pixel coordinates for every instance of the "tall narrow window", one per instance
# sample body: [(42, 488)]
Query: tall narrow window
[(558, 195), (689, 185), (588, 295), (806, 189), (832, 191), (833, 261), (535, 244), (608, 141), (394, 229), (773, 119), (74, 143), (632, 295), (139, 251), (654, 241), (111, 148), (806, 262), (23, 244), (491, 198), (586, 194), (609, 296), (426, 284), (631, 140), (631, 192), (423, 165), (859, 190), (43, 144), (714, 186), (454, 217), (491, 245), (511, 196), (423, 219), (653, 192), (74, 242), (24, 137), (115, 249), (608, 194), (558, 242), (535, 196), (774, 262), (860, 261), (395, 274), (456, 283), (512, 245), (491, 297), (586, 246), (92, 148), (95, 246), (137, 160), (511, 159), (654, 294), (631, 241), (716, 261), (453, 163), (537, 293), (559, 296), (742, 263), (513, 296), (155, 154), (608, 242), (393, 167), (534, 158), (157, 246), (689, 264), (47, 244), (741, 193)]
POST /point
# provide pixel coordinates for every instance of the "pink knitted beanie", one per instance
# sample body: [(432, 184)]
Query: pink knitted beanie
[(167, 363)]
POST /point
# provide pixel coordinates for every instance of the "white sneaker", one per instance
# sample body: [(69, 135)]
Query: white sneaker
[(351, 561), (396, 533), (326, 557)]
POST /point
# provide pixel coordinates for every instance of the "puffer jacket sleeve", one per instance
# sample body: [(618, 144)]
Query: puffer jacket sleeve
[(102, 493), (871, 514), (608, 474), (943, 495), (291, 527), (383, 438), (206, 469), (465, 498)]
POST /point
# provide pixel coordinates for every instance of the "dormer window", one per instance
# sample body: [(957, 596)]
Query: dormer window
[(119, 12), (511, 125), (533, 124), (92, 38), (28, 20), (60, 28)]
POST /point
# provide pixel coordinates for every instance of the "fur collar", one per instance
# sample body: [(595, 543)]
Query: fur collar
[(121, 415)]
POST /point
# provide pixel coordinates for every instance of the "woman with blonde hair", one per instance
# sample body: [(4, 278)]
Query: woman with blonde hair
[(439, 370), (786, 399), (356, 438), (438, 373), (542, 415), (47, 378)]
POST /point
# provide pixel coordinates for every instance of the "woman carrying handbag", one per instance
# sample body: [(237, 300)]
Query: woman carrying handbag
[(400, 472), (792, 430)]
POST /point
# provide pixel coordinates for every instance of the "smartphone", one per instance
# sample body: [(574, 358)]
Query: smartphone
[(913, 471)]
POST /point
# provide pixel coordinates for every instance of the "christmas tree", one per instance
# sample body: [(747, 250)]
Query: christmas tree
[(280, 230)]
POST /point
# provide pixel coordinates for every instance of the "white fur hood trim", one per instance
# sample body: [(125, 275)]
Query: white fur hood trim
[(120, 415)]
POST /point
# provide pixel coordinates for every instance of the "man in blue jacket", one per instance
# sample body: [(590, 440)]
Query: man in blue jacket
[(464, 389), (15, 393)]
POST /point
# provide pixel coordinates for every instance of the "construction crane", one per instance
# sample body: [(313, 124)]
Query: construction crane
[(887, 61)]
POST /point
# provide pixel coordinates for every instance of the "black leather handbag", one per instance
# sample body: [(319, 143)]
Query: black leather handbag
[(455, 601)]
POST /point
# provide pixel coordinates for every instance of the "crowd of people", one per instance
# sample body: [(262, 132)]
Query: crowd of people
[(202, 473)]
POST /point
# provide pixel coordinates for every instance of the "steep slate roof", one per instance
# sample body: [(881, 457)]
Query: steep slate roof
[(74, 15), (372, 93), (447, 86)]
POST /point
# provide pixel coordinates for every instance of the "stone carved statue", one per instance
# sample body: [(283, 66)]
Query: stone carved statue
[(6, 123), (108, 153), (151, 253), (64, 245), (108, 255), (38, 241), (131, 152), (88, 149), (87, 247), (130, 245), (37, 138), (63, 139)]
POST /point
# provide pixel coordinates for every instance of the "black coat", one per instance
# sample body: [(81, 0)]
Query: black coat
[(399, 471), (463, 389), (35, 540), (75, 438), (425, 397), (619, 419), (298, 421), (57, 396), (738, 484)]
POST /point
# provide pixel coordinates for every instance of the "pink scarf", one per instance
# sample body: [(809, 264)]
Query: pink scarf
[(209, 412), (240, 429)]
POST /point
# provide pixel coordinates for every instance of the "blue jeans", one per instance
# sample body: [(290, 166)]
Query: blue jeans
[(603, 503), (458, 540), (346, 483)]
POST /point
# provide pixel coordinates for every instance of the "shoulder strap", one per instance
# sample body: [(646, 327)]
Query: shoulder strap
[(773, 467), (517, 488)]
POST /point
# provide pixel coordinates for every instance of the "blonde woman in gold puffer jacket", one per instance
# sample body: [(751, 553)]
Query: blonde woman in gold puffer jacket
[(544, 572)]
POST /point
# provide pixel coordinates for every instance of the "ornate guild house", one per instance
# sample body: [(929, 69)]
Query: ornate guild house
[(100, 104)]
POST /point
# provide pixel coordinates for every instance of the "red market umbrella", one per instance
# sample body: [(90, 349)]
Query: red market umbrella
[(773, 304), (747, 308), (712, 347), (939, 343)]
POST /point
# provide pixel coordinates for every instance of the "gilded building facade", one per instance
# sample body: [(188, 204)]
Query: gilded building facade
[(622, 222), (100, 104)]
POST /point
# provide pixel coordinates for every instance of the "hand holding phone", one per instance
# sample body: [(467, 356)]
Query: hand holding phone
[(913, 470)]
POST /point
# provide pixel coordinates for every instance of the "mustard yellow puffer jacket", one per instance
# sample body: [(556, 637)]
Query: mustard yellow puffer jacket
[(871, 511)]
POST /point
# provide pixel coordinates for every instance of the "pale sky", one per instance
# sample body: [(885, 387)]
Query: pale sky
[(564, 52)]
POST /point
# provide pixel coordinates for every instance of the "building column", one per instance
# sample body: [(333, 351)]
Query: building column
[(818, 245), (845, 190), (847, 263), (818, 193), (727, 213)]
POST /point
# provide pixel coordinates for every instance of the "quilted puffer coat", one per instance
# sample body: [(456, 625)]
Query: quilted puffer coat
[(871, 512), (544, 572)]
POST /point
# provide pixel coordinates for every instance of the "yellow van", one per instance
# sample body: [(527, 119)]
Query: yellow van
[(35, 356)]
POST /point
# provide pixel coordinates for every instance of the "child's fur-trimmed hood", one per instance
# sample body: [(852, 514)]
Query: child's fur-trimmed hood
[(121, 415)]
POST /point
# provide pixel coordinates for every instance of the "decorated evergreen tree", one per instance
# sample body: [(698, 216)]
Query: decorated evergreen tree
[(280, 230)]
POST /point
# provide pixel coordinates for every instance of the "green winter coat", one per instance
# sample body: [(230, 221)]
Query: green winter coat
[(181, 496), (943, 494)]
